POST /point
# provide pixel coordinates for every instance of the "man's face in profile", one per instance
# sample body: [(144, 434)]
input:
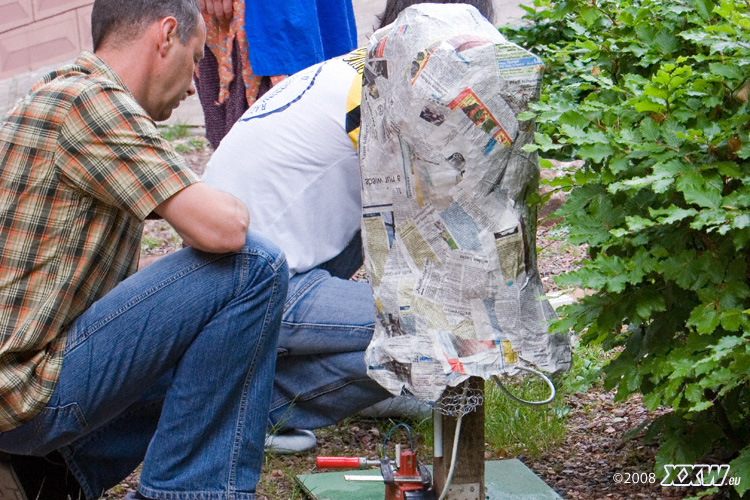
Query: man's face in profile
[(177, 80)]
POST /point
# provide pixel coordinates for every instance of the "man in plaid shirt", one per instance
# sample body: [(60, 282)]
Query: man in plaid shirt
[(90, 350)]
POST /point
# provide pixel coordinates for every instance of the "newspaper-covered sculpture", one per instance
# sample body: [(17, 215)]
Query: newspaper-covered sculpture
[(449, 241)]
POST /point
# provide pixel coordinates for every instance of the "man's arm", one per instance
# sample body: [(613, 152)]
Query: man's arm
[(206, 218), (127, 164)]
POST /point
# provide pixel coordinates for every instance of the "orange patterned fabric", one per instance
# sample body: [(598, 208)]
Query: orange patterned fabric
[(219, 41)]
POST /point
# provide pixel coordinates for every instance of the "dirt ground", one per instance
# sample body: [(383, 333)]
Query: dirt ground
[(593, 463)]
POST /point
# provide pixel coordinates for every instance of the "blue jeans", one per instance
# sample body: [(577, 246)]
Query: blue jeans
[(328, 321), (175, 365)]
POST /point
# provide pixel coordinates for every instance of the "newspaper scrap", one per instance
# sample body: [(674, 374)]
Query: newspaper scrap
[(449, 240)]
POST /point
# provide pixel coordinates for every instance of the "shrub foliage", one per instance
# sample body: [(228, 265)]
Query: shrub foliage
[(653, 96)]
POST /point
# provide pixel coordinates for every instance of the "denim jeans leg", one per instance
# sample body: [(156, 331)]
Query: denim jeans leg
[(321, 376), (314, 391), (113, 451), (201, 330), (213, 422)]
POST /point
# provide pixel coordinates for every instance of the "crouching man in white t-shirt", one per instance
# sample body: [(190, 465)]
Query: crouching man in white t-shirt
[(292, 158)]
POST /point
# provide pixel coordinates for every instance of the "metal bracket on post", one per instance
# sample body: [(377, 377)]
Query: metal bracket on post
[(464, 492)]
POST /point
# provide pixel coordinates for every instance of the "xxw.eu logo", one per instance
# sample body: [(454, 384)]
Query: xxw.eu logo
[(698, 475)]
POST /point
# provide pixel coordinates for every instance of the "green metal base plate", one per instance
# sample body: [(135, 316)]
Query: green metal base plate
[(504, 480)]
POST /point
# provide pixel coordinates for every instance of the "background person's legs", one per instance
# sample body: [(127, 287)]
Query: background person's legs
[(319, 390), (321, 375)]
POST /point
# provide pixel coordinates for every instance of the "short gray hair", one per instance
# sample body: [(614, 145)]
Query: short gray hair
[(125, 20)]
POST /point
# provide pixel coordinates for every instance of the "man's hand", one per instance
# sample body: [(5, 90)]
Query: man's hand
[(207, 219), (221, 9)]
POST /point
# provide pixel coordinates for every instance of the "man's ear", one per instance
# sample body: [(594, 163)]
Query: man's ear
[(167, 35)]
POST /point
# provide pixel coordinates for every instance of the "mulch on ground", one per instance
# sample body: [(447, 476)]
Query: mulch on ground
[(595, 461)]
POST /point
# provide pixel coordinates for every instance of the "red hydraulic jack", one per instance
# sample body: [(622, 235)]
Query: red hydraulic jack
[(411, 481)]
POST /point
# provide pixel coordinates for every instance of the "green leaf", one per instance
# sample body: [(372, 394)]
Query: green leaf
[(740, 468), (680, 368), (658, 94), (542, 139), (704, 8), (649, 303), (729, 72), (672, 214), (574, 119), (650, 130), (701, 190), (648, 106), (596, 152), (700, 406), (589, 14), (725, 347), (731, 320), (741, 221), (636, 223), (545, 163), (694, 393), (705, 318)]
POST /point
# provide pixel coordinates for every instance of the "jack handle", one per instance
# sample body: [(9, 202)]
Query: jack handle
[(345, 463)]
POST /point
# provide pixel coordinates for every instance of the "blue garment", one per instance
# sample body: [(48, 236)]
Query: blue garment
[(321, 376), (175, 364), (286, 37)]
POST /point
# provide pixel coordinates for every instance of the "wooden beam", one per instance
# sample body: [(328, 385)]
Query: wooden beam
[(468, 477)]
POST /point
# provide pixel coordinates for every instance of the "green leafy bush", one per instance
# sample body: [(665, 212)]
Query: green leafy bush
[(653, 96)]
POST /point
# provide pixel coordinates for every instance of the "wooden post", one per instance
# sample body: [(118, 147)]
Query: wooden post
[(468, 477)]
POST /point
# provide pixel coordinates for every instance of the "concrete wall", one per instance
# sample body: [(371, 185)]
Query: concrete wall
[(36, 35)]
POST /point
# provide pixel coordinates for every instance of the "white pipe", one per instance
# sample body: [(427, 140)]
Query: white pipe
[(452, 469), (437, 431)]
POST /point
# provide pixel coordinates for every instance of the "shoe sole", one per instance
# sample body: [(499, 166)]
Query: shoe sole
[(299, 443)]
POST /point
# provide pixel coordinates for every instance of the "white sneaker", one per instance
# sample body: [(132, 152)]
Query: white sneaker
[(290, 442), (398, 406)]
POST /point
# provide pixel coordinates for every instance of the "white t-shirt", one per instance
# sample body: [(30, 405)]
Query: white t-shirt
[(293, 162)]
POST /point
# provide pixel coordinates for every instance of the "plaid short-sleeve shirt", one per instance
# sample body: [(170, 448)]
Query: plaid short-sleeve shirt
[(81, 166)]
